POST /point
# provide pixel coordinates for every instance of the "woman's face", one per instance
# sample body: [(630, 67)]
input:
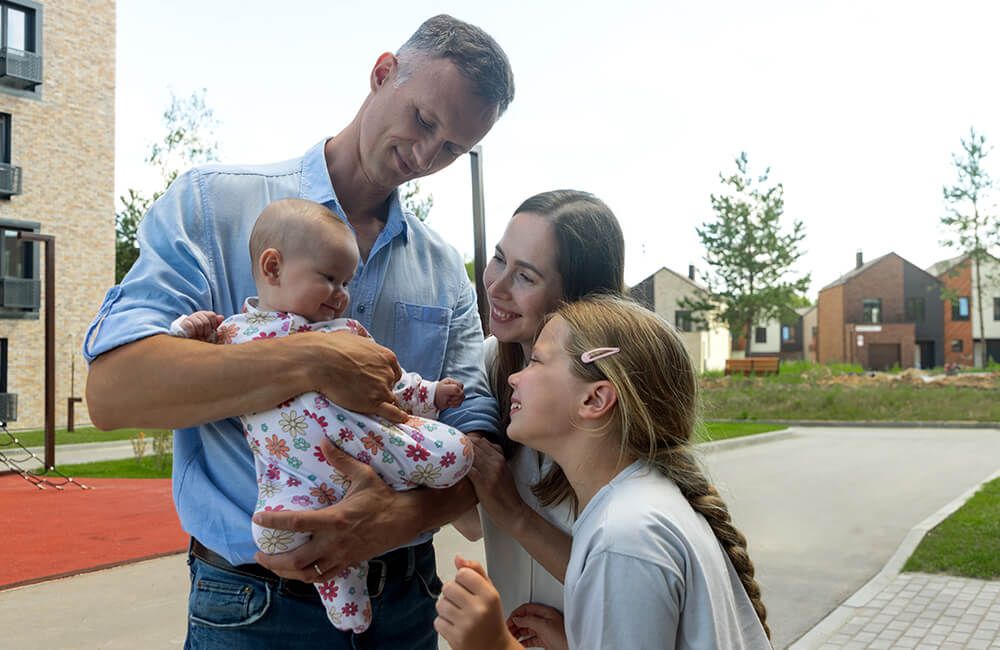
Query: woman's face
[(521, 280), (547, 393)]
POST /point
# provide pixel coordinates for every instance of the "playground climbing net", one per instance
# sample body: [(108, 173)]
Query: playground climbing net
[(19, 459)]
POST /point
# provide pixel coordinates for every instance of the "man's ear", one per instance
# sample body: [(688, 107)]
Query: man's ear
[(269, 266), (385, 66), (600, 398)]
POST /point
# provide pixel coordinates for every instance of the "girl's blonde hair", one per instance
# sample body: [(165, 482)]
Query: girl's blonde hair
[(657, 411)]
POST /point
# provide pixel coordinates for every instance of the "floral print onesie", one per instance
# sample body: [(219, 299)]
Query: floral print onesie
[(292, 473)]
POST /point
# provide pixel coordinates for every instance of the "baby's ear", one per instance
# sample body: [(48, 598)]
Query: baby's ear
[(269, 266), (600, 398)]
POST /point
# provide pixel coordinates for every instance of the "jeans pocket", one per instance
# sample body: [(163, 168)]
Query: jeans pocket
[(429, 580), (226, 600)]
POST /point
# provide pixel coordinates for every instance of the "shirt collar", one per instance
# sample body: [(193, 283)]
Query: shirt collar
[(316, 186)]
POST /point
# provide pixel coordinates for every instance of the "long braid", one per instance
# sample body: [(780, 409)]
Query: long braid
[(679, 465)]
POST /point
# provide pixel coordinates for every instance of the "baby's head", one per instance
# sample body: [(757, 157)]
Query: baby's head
[(303, 258)]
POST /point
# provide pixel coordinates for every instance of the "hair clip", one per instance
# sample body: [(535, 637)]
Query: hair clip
[(590, 356)]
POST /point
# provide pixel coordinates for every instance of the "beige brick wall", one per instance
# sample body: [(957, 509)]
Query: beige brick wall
[(64, 143)]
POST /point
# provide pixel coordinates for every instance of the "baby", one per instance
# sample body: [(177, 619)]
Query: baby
[(304, 257)]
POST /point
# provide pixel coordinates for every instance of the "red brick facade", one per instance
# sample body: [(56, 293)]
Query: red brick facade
[(958, 280)]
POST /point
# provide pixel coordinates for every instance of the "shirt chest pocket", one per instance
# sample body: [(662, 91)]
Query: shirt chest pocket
[(421, 338)]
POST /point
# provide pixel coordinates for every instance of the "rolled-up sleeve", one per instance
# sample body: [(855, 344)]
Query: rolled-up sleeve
[(464, 362), (170, 278)]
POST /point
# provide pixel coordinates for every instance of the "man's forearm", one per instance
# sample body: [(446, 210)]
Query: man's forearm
[(428, 508), (169, 382)]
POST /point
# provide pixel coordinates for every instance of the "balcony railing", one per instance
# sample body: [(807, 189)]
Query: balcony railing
[(10, 180), (20, 293), (20, 69)]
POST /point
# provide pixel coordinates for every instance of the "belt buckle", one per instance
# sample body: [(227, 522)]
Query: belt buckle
[(383, 569)]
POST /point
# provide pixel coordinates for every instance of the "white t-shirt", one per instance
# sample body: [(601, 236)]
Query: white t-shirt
[(646, 571), (516, 575)]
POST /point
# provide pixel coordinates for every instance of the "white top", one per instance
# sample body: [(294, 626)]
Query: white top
[(646, 571), (516, 575)]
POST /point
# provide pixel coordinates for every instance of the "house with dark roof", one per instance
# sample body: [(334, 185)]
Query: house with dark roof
[(662, 292), (966, 339), (883, 313)]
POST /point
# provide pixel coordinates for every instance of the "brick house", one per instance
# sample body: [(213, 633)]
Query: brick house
[(57, 124), (662, 292), (963, 340), (883, 313)]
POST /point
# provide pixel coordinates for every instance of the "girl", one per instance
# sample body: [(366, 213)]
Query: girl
[(611, 396)]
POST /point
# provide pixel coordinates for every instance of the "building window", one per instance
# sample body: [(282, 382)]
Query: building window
[(682, 320), (760, 335), (20, 288), (871, 310), (960, 308), (957, 345), (915, 309), (10, 176), (3, 365), (789, 334), (20, 46), (996, 309)]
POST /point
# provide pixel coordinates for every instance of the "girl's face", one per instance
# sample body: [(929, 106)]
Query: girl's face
[(547, 394), (521, 280)]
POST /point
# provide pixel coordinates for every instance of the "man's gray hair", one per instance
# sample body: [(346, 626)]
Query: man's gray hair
[(473, 51)]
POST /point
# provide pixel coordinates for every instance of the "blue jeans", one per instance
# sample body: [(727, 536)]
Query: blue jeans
[(228, 609)]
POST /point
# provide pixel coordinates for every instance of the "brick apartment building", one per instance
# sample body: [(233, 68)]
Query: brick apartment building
[(57, 101), (963, 340), (884, 313)]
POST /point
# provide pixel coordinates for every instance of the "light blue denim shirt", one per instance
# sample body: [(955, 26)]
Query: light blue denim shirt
[(412, 294)]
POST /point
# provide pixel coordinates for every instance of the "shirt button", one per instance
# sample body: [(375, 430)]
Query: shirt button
[(361, 309)]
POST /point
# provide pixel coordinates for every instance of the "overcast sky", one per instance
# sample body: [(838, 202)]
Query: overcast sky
[(855, 106)]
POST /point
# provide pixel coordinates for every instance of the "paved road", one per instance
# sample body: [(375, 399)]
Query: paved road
[(824, 509)]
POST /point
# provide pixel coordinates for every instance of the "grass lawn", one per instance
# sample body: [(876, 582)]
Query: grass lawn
[(725, 430), (967, 543), (83, 434), (155, 467), (786, 398)]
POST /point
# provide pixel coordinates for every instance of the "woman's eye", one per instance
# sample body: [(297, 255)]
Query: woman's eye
[(527, 278)]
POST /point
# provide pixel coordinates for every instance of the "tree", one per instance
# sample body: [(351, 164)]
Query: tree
[(189, 140), (421, 205), (973, 226), (748, 255)]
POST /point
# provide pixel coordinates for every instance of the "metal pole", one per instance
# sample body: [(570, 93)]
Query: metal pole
[(479, 235), (50, 342)]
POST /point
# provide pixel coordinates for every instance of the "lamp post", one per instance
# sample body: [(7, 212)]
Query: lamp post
[(479, 235), (50, 342)]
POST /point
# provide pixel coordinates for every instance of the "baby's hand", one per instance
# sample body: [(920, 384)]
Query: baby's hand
[(449, 394), (201, 325)]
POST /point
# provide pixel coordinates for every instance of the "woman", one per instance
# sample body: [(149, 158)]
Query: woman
[(559, 246), (611, 395)]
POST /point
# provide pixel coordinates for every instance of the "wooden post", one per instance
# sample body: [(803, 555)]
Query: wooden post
[(50, 342), (479, 235)]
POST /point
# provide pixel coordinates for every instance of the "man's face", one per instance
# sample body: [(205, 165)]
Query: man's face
[(422, 125)]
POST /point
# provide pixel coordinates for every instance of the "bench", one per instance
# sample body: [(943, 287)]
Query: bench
[(753, 366)]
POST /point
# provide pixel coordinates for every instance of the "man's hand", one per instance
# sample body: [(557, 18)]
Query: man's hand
[(470, 615), (450, 394), (356, 373), (538, 626), (362, 525)]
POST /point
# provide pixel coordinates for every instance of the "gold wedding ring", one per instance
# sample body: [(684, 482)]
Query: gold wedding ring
[(319, 571)]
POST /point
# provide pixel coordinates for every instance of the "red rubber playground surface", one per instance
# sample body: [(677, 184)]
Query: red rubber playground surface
[(54, 533)]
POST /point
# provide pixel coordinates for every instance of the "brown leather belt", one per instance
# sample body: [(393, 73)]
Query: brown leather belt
[(394, 565)]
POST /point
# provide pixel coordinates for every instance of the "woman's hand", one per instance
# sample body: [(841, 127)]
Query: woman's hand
[(495, 485), (470, 616), (538, 626)]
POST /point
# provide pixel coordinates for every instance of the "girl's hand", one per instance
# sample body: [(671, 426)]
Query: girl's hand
[(470, 616), (495, 485), (538, 626)]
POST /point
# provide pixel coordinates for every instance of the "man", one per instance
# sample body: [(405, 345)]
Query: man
[(430, 103)]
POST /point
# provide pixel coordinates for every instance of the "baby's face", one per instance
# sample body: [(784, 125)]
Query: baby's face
[(314, 284)]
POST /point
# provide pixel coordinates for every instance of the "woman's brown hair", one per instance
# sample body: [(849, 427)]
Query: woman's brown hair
[(590, 258)]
